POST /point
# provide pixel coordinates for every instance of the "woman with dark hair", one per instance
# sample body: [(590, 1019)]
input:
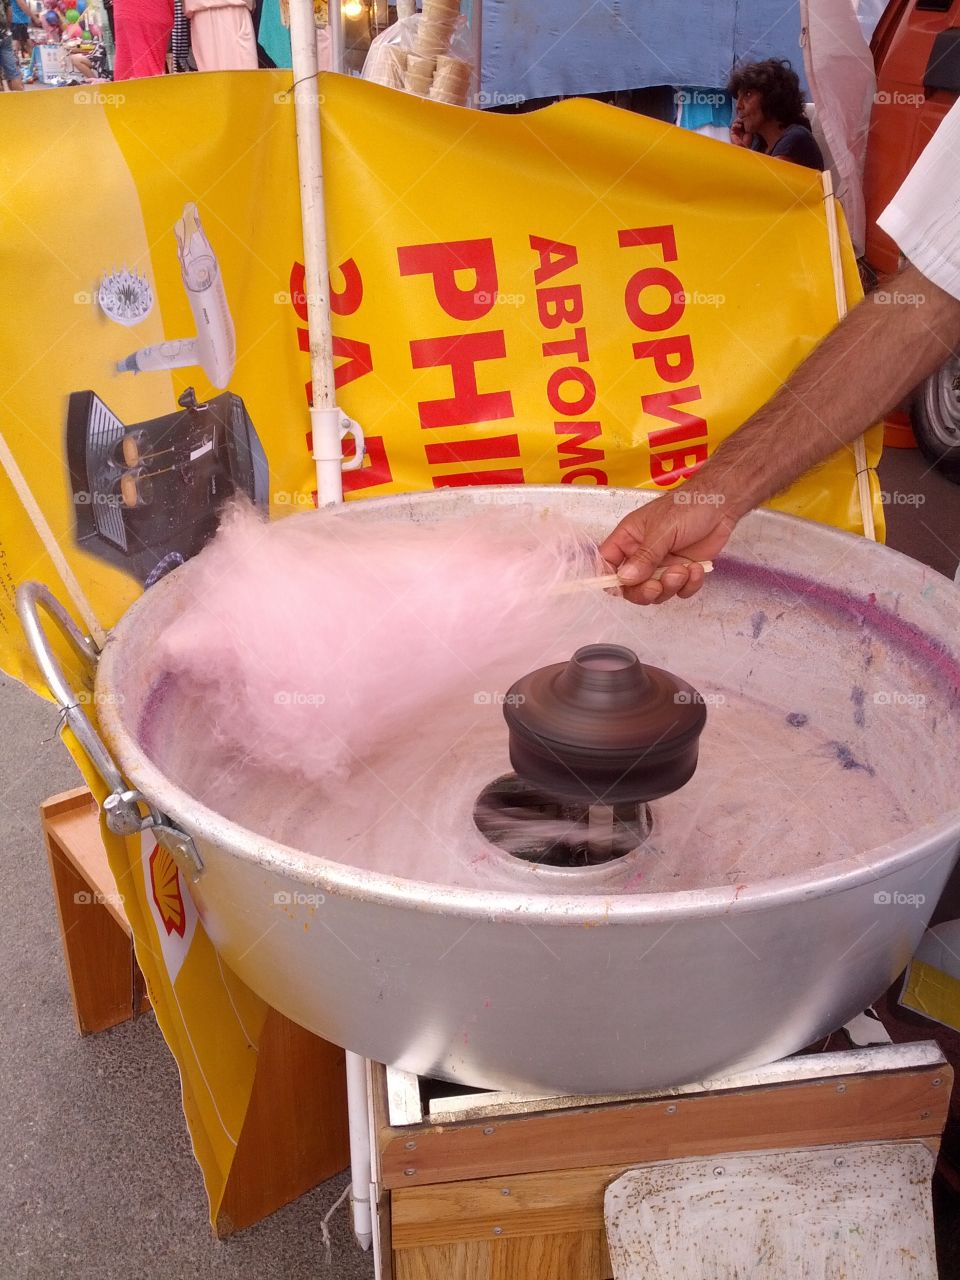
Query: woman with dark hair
[(770, 116)]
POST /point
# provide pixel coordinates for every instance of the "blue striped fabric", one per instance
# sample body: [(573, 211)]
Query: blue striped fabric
[(545, 48)]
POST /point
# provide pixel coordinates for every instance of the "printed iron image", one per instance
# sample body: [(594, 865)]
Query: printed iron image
[(480, 640)]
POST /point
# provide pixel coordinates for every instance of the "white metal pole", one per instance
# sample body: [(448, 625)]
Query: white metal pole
[(379, 1269), (335, 27), (359, 1148), (324, 415)]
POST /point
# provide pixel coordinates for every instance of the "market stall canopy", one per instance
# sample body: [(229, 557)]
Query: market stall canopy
[(568, 47)]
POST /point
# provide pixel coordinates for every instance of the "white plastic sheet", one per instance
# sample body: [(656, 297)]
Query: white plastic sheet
[(842, 83)]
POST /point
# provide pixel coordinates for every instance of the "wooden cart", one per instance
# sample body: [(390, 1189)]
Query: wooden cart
[(500, 1187)]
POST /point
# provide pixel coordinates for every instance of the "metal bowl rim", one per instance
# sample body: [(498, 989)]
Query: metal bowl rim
[(341, 879)]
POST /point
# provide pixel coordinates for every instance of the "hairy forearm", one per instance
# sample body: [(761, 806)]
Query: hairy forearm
[(861, 370)]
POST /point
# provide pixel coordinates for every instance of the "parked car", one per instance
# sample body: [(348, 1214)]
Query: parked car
[(916, 49)]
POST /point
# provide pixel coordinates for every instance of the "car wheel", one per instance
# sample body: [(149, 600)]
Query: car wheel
[(936, 418)]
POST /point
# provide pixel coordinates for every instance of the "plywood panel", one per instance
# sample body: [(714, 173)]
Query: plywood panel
[(101, 968), (447, 1262), (527, 1204), (98, 954), (72, 819), (295, 1132), (870, 1107), (570, 1256)]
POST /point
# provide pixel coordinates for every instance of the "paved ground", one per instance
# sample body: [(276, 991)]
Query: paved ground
[(100, 1182), (98, 1179), (923, 510)]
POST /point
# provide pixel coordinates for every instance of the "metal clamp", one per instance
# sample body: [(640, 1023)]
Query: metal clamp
[(349, 427), (122, 807)]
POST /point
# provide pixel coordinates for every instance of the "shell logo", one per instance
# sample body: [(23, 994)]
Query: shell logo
[(165, 885)]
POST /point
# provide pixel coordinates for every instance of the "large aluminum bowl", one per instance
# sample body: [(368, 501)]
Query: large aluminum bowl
[(593, 993)]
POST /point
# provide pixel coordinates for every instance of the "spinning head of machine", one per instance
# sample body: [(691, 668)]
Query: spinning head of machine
[(592, 740)]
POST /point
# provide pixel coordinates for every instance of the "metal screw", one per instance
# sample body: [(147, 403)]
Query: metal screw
[(408, 1173), (839, 1162), (672, 1109), (411, 1146), (718, 1171), (841, 1088), (504, 1191), (488, 1130), (498, 1231), (937, 1080), (924, 1115)]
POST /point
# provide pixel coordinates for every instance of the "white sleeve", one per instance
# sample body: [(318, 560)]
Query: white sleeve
[(924, 216)]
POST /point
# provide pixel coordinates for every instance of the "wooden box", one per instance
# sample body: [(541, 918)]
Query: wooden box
[(495, 1187)]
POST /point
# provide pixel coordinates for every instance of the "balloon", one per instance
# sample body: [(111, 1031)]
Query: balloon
[(72, 15), (80, 6), (74, 31)]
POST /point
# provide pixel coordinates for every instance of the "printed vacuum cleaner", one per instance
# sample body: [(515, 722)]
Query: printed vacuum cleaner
[(149, 496)]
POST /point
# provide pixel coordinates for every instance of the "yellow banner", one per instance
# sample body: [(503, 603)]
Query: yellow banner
[(578, 295), (575, 296)]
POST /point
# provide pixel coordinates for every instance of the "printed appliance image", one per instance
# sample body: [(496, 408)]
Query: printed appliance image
[(148, 496)]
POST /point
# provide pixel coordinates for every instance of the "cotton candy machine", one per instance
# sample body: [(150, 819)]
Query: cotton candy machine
[(719, 914)]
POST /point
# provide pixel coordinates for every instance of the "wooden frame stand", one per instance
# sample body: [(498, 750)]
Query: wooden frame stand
[(494, 1187), (293, 1136), (105, 980)]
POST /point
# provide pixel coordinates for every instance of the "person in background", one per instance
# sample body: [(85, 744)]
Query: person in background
[(83, 63), (222, 35), (9, 66), (143, 37), (21, 21), (769, 113), (873, 358)]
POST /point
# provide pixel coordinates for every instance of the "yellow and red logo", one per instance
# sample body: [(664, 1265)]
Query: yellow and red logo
[(165, 884)]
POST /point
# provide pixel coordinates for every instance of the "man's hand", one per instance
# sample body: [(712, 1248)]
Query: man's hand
[(873, 358), (676, 530)]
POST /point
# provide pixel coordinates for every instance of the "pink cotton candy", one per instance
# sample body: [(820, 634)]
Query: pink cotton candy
[(315, 639)]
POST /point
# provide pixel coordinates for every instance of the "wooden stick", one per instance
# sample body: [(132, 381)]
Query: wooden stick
[(859, 445), (607, 580), (46, 535)]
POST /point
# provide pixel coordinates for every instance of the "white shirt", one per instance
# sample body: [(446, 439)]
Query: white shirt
[(924, 216)]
